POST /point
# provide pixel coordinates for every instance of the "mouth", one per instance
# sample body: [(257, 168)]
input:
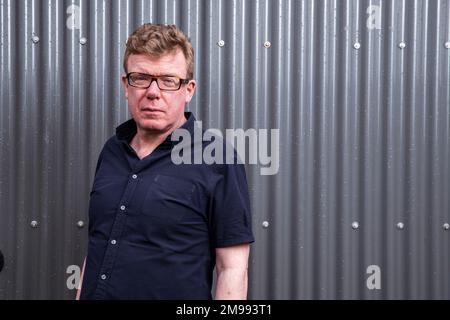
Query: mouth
[(151, 111)]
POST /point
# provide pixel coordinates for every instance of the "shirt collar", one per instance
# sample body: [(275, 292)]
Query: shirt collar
[(127, 130)]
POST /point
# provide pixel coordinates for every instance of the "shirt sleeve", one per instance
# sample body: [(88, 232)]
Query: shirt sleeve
[(230, 215)]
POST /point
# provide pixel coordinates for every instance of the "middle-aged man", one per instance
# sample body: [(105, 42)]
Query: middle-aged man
[(157, 229)]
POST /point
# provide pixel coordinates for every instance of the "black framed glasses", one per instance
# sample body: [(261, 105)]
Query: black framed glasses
[(164, 83)]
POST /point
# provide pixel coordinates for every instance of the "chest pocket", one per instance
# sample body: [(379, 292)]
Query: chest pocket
[(169, 198)]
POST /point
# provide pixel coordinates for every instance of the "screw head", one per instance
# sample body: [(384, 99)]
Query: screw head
[(265, 224), (447, 45), (221, 43), (83, 41), (355, 225), (402, 45), (80, 224), (356, 45), (35, 39), (34, 224), (400, 225), (446, 226), (267, 44)]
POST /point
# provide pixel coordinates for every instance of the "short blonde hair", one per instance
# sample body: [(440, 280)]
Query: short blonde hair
[(157, 40)]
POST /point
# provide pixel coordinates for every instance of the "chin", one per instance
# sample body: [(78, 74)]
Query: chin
[(153, 125)]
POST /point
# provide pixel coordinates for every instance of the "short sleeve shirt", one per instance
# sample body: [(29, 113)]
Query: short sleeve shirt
[(154, 225)]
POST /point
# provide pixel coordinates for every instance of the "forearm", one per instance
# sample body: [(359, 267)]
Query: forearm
[(81, 281), (231, 284)]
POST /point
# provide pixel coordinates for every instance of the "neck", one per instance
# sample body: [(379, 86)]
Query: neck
[(145, 141)]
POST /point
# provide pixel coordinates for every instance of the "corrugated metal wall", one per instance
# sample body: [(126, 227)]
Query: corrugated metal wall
[(360, 93)]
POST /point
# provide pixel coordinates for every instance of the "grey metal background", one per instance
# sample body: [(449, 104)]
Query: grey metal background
[(364, 135)]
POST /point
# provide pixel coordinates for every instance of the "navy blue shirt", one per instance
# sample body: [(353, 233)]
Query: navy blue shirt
[(154, 225)]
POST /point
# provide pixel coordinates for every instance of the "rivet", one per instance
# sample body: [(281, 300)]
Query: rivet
[(265, 224), (80, 224), (34, 224), (400, 225), (355, 225), (83, 40), (446, 226), (447, 45), (357, 45), (35, 39), (267, 44), (221, 43), (402, 45)]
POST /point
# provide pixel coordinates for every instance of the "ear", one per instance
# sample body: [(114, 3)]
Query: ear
[(190, 90), (125, 85)]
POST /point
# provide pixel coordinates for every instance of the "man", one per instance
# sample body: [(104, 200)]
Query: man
[(157, 229)]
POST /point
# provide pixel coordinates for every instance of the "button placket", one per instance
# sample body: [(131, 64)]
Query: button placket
[(119, 223)]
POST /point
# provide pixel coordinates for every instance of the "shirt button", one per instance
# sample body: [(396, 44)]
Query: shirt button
[(122, 208), (103, 276), (113, 241), (134, 176)]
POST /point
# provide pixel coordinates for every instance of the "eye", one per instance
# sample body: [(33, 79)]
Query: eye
[(169, 81), (139, 77)]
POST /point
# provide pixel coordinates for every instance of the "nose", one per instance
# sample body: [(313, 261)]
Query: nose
[(153, 91)]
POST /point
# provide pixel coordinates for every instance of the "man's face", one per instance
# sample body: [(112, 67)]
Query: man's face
[(152, 109)]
